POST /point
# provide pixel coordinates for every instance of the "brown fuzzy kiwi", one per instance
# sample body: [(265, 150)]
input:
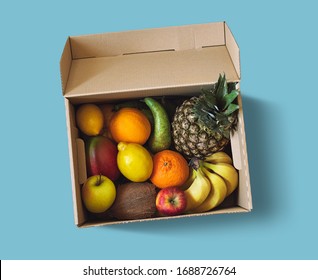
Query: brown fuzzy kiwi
[(134, 201)]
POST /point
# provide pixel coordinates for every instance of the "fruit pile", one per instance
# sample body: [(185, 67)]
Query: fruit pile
[(159, 157)]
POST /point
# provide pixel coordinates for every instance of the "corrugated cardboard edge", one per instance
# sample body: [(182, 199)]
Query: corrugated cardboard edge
[(148, 40), (240, 161), (244, 199), (233, 49), (66, 63), (232, 210), (74, 154)]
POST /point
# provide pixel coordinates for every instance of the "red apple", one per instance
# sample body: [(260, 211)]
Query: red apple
[(171, 201), (101, 157)]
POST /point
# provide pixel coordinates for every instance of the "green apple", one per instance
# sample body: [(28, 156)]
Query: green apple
[(98, 193)]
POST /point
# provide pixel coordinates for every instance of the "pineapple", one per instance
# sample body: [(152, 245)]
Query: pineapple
[(202, 124)]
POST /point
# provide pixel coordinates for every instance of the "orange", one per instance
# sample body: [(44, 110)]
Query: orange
[(89, 119), (108, 112), (170, 169), (130, 125)]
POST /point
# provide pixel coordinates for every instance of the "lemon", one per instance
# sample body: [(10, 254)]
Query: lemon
[(134, 161), (90, 119)]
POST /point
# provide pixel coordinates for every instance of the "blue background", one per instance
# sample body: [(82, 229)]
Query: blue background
[(278, 43)]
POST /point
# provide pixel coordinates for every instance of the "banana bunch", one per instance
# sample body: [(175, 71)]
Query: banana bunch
[(208, 186)]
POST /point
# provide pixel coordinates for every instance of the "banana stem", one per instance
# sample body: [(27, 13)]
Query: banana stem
[(195, 163), (207, 165)]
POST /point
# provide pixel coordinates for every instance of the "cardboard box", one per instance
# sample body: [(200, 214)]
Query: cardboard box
[(153, 62)]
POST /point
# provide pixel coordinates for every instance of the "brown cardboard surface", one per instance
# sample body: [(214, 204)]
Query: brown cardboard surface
[(148, 71), (65, 64), (233, 49), (79, 214), (132, 64), (240, 161), (148, 60), (148, 40), (232, 210)]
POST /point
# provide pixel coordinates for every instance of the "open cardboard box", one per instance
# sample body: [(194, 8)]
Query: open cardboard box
[(172, 61)]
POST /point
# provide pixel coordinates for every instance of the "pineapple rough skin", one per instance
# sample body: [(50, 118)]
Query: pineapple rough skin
[(191, 138), (202, 125)]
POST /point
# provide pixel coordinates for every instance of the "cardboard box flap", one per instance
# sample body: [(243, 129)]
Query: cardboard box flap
[(148, 40), (65, 64), (149, 59)]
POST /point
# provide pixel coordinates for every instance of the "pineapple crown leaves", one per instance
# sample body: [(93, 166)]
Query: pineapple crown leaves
[(216, 109)]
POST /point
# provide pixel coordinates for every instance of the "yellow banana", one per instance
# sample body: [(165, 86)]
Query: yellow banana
[(198, 191), (217, 194), (219, 157), (227, 172), (191, 178)]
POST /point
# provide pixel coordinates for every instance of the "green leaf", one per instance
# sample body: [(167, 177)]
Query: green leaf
[(226, 133), (221, 90), (209, 97), (231, 109), (231, 86), (229, 98)]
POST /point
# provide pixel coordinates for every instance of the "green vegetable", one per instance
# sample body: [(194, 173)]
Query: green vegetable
[(160, 138)]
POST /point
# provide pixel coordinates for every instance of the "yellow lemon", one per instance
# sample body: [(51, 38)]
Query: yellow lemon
[(134, 161), (90, 119)]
